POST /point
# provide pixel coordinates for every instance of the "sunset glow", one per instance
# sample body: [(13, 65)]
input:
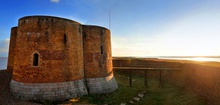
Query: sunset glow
[(199, 59)]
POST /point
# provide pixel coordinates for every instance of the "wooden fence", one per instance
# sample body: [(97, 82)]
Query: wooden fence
[(145, 69)]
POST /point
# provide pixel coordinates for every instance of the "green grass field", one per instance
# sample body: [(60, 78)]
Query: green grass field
[(155, 95)]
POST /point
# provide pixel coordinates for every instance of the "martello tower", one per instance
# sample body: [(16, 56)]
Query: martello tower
[(54, 58)]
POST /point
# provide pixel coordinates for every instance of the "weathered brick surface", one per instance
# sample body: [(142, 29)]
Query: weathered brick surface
[(97, 63), (59, 61), (12, 49), (68, 53), (49, 54), (48, 91)]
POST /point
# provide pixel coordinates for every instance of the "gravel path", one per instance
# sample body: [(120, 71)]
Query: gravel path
[(5, 97)]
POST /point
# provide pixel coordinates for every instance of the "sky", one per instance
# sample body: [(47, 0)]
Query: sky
[(139, 28)]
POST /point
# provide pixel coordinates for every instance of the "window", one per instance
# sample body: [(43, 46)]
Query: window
[(64, 39), (26, 21), (46, 33), (101, 48), (84, 34), (102, 32), (35, 59), (79, 29)]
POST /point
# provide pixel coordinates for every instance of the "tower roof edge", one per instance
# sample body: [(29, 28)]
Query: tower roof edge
[(46, 16)]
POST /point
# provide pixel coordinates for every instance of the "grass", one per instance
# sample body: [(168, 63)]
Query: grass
[(155, 95)]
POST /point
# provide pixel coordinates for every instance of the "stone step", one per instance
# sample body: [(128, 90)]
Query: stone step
[(137, 99)]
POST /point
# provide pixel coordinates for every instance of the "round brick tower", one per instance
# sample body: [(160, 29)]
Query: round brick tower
[(98, 60), (12, 49), (48, 59), (53, 58)]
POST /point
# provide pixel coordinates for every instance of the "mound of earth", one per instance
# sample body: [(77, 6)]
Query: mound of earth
[(6, 97)]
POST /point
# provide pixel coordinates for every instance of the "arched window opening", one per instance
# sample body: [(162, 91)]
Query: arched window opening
[(64, 39), (35, 59), (102, 32), (84, 34), (79, 29), (101, 48), (46, 33)]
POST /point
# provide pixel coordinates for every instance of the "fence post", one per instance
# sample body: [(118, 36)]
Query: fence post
[(130, 78), (161, 81), (145, 78)]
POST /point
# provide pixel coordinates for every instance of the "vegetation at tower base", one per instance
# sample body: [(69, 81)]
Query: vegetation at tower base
[(53, 58)]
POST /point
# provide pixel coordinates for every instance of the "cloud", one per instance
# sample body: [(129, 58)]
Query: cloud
[(55, 1), (4, 46)]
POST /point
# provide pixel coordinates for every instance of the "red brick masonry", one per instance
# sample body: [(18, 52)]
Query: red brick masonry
[(49, 54)]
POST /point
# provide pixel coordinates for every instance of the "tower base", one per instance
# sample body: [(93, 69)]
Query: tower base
[(63, 90), (48, 91), (101, 85)]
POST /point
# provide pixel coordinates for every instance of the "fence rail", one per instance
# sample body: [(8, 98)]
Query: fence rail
[(146, 68)]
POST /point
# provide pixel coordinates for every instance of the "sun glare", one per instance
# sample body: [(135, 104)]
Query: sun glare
[(202, 59)]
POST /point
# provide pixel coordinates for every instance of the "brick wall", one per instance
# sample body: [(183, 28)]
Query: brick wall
[(97, 63), (48, 60), (60, 59), (12, 45)]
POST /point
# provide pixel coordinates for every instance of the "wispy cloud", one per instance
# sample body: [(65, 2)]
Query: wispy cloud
[(4, 46), (55, 1)]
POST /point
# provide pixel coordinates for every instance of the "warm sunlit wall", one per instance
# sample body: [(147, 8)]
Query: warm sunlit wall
[(59, 60), (97, 51), (12, 49)]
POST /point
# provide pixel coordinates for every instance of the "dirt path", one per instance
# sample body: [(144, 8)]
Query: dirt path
[(5, 97)]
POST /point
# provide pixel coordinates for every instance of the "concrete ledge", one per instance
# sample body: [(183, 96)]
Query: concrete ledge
[(48, 91), (101, 85)]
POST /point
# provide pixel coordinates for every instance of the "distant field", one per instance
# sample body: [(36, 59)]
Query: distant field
[(206, 63)]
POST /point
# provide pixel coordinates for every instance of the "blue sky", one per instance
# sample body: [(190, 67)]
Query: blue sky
[(138, 27)]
